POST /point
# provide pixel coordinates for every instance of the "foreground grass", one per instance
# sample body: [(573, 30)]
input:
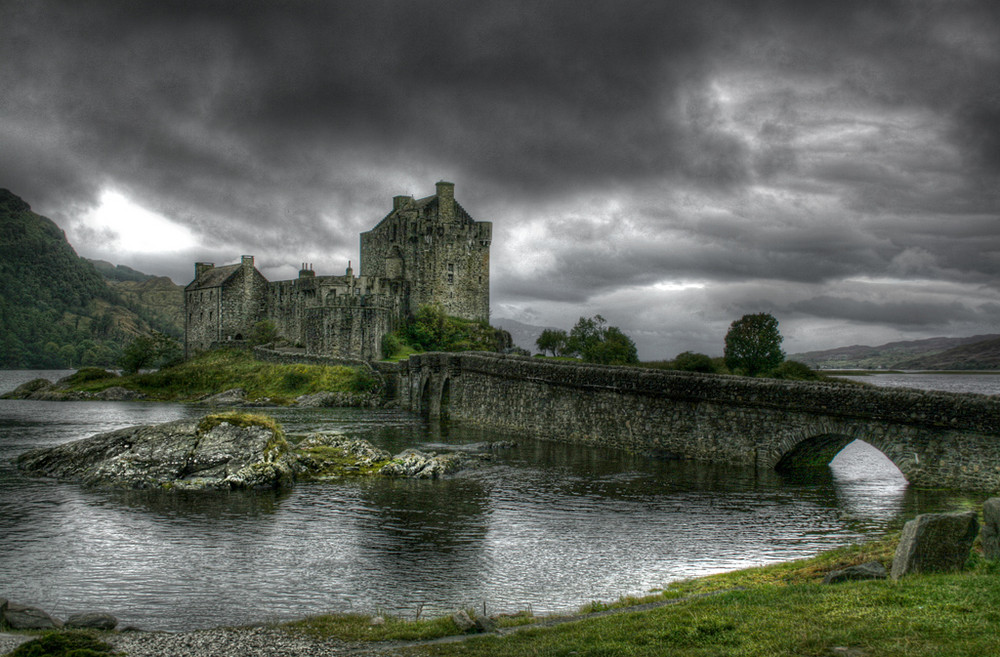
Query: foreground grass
[(773, 610), (221, 370)]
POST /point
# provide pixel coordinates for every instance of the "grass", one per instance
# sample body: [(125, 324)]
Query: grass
[(216, 371), (780, 610)]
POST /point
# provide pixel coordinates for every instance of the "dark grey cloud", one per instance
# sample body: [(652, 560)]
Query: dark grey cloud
[(616, 146)]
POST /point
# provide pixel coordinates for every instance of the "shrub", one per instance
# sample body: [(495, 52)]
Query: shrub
[(794, 370), (690, 361), (63, 644)]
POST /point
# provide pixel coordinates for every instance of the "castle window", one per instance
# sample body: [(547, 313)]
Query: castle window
[(480, 280), (209, 315), (451, 279), (451, 267)]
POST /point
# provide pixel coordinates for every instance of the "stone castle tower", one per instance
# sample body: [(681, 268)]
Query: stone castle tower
[(425, 251), (441, 251)]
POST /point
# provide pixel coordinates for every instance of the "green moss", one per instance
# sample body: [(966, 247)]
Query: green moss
[(330, 462), (276, 446), (63, 644)]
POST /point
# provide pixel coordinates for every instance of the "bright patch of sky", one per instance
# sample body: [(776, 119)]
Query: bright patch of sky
[(135, 229)]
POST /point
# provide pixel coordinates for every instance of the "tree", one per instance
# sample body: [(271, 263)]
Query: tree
[(596, 343), (553, 340), (753, 344)]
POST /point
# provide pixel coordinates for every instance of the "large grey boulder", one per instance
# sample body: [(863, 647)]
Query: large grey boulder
[(935, 542), (870, 570), (415, 464), (990, 536), (23, 617), (224, 451), (92, 621)]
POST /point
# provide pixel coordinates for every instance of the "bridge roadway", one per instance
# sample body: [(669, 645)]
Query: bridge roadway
[(936, 439)]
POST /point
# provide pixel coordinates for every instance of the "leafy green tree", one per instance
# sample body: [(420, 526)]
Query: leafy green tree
[(138, 354), (552, 340), (596, 343), (753, 345)]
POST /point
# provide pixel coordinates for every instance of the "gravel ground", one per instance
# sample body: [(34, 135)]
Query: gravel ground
[(10, 641), (241, 642)]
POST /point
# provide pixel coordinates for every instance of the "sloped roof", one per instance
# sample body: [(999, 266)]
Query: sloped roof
[(214, 277)]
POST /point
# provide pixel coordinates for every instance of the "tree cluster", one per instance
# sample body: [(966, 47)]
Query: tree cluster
[(592, 341)]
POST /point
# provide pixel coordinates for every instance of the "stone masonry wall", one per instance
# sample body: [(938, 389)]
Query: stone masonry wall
[(936, 439)]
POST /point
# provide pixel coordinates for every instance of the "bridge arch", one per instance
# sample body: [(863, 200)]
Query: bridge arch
[(816, 449)]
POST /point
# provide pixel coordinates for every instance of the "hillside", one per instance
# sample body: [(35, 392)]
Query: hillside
[(524, 335), (897, 355), (56, 310), (984, 355)]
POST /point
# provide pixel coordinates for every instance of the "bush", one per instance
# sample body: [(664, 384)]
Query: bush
[(794, 370), (85, 374), (690, 361), (390, 345)]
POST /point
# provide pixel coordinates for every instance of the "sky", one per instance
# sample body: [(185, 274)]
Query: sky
[(671, 166)]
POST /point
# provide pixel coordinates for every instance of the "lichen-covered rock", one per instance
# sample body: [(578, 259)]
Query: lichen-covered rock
[(990, 534), (92, 621), (870, 570), (231, 397), (935, 542), (462, 620), (118, 393), (25, 390), (22, 617), (419, 465), (224, 451)]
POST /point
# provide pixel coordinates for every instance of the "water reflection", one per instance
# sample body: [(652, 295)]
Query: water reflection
[(542, 525)]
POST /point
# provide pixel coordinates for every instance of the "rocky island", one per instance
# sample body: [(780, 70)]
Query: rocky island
[(227, 451)]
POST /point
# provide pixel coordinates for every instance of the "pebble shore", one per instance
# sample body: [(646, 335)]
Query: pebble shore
[(240, 642)]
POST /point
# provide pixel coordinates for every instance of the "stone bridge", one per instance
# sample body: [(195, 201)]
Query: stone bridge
[(936, 439)]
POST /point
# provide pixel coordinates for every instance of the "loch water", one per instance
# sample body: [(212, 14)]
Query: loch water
[(543, 526)]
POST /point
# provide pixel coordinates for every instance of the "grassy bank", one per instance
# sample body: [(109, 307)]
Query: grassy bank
[(216, 371), (781, 609)]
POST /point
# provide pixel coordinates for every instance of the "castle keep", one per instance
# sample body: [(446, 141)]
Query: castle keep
[(425, 251)]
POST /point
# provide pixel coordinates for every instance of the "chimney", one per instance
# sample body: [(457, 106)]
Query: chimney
[(246, 261), (446, 197), (400, 201), (201, 267)]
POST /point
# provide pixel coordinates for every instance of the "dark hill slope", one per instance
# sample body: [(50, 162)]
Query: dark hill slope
[(984, 355), (56, 310)]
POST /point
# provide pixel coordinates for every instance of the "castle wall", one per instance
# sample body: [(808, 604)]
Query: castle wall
[(243, 302), (202, 318)]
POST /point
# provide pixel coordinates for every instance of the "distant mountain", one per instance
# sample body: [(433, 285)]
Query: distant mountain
[(56, 310), (984, 355), (524, 335), (900, 355)]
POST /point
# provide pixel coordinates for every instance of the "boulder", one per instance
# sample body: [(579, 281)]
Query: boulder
[(92, 621), (25, 390), (415, 464), (22, 617), (231, 397), (935, 542), (223, 451), (870, 570), (463, 621), (485, 624), (990, 535), (118, 393)]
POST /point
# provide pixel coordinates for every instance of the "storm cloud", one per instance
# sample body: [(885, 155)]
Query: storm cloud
[(668, 165)]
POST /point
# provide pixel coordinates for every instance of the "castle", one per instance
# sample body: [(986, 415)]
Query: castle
[(425, 251)]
